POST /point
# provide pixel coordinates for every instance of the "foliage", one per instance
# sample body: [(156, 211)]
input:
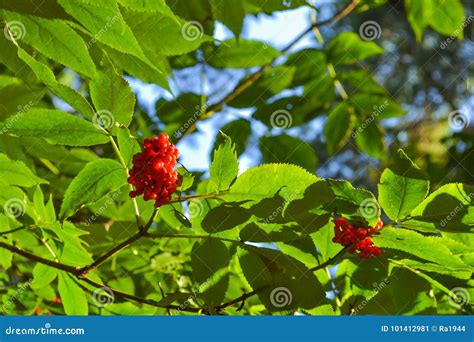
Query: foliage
[(258, 241)]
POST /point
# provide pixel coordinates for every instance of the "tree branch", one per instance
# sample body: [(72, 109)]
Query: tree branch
[(331, 261), (244, 84)]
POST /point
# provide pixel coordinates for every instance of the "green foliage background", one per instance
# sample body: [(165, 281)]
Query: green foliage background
[(256, 242)]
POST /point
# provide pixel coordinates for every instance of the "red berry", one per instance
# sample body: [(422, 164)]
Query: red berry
[(153, 174), (346, 235)]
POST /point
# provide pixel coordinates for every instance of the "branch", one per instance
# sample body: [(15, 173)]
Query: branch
[(331, 261), (47, 262), (244, 84)]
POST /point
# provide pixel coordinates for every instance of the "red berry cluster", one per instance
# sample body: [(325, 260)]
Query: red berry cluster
[(346, 234), (153, 174)]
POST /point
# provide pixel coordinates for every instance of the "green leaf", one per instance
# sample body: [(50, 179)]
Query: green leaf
[(105, 23), (273, 81), (112, 95), (224, 217), (445, 17), (369, 137), (55, 126), (309, 63), (418, 245), (450, 208), (210, 261), (370, 106), (72, 296), (43, 275), (290, 181), (224, 167), (17, 173), (96, 180), (238, 131), (242, 54), (403, 188), (339, 126), (128, 145), (150, 73), (169, 38), (283, 283), (231, 13), (67, 94), (6, 257), (149, 6), (287, 149), (349, 48), (56, 40), (187, 178)]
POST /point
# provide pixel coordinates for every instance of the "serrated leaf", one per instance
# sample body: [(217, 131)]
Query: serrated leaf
[(403, 188), (67, 94), (128, 145), (289, 181), (96, 180), (339, 126), (224, 217), (242, 54), (72, 296), (418, 245), (450, 208), (287, 149), (349, 48), (111, 93), (15, 172), (55, 126), (56, 40), (105, 23), (210, 260), (238, 131), (224, 167)]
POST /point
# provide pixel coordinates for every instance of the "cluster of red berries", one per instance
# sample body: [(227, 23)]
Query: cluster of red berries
[(153, 174), (346, 234)]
